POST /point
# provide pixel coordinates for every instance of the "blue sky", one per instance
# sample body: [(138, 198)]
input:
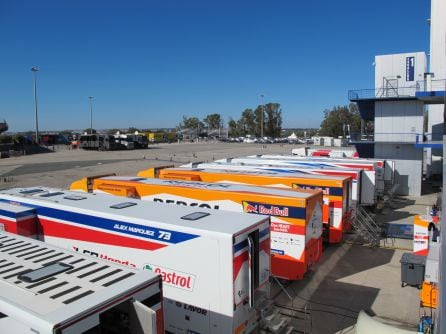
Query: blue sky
[(148, 63)]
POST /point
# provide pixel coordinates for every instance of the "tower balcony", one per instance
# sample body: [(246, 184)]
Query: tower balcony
[(427, 91)]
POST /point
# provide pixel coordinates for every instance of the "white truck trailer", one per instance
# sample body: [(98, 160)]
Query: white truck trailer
[(384, 169), (296, 216), (215, 265), (365, 180), (98, 142), (47, 290), (362, 191), (126, 140)]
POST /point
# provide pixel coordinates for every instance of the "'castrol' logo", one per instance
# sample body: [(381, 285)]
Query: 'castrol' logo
[(173, 278)]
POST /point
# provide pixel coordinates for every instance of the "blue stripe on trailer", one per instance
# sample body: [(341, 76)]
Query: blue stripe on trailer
[(12, 214), (144, 231), (244, 243)]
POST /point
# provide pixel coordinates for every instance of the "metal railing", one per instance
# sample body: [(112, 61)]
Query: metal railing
[(400, 92), (418, 139), (358, 136), (388, 137), (433, 85), (382, 93)]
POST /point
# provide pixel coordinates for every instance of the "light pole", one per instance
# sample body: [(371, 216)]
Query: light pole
[(261, 118), (34, 70), (91, 114)]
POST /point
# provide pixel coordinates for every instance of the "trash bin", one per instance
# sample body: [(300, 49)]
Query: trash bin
[(412, 269)]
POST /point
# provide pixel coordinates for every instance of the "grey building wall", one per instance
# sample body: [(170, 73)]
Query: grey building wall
[(398, 121), (408, 165), (435, 127)]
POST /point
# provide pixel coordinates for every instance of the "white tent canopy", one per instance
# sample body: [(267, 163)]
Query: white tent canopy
[(292, 136)]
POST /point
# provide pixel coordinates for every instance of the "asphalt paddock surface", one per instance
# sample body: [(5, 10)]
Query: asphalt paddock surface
[(350, 276)]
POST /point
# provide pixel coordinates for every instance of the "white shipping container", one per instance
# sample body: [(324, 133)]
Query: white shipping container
[(319, 141), (328, 141), (339, 142)]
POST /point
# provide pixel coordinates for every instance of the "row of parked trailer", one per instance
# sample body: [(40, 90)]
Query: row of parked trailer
[(128, 141), (215, 264), (105, 142)]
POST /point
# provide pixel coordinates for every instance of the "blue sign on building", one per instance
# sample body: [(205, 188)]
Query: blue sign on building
[(410, 68)]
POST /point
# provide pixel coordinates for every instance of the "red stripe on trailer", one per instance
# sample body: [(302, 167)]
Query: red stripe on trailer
[(61, 230), (321, 153), (358, 166), (354, 176), (23, 226), (264, 245), (238, 262)]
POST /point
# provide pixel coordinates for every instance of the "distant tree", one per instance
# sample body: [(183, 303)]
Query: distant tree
[(367, 127), (242, 128), (258, 121), (337, 121), (355, 117), (247, 122), (5, 139), (213, 121), (273, 121), (232, 128), (18, 139), (191, 123)]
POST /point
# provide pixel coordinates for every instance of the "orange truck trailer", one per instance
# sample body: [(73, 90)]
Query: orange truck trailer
[(336, 190), (296, 216)]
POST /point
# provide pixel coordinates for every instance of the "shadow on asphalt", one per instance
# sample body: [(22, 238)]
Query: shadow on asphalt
[(431, 186), (394, 216), (334, 305)]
